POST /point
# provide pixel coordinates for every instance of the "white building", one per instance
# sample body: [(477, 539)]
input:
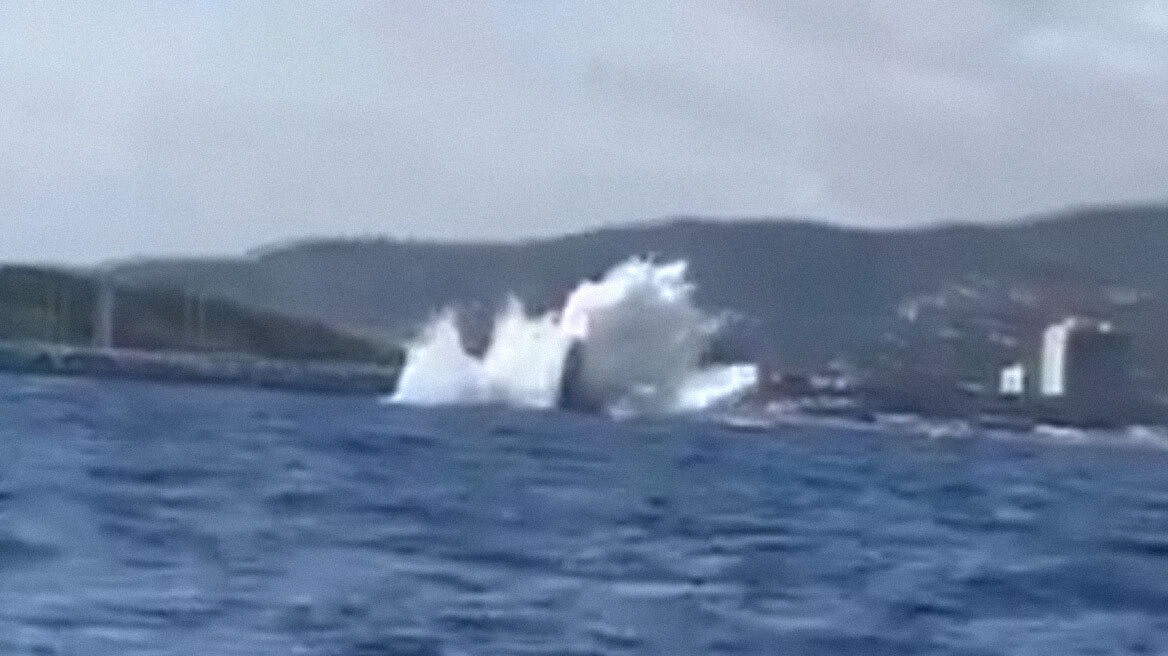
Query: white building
[(1054, 358), (1013, 380), (103, 314), (1085, 355)]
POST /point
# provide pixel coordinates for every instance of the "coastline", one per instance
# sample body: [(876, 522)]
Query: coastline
[(207, 368)]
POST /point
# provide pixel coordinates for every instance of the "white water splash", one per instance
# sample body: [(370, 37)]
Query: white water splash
[(641, 343)]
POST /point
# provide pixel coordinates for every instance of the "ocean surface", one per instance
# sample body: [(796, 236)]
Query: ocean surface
[(150, 519)]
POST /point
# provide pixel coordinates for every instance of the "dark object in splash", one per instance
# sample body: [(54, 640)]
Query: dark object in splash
[(572, 395)]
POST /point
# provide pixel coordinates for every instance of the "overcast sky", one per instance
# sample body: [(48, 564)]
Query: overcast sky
[(214, 127)]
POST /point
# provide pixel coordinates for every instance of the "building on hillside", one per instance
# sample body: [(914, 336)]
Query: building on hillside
[(103, 314), (1085, 362), (1012, 381)]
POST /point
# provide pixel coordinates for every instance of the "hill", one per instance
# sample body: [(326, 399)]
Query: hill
[(48, 305), (808, 291)]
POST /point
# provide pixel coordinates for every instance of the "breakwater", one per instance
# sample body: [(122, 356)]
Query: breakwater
[(197, 367)]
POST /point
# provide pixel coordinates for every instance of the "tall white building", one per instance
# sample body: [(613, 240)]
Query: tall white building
[(1053, 382), (103, 314), (1083, 359)]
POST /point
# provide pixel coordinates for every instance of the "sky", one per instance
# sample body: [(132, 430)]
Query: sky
[(212, 127)]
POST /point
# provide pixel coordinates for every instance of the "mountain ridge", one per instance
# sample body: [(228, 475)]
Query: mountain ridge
[(809, 291)]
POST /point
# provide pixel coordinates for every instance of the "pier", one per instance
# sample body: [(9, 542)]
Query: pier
[(45, 358)]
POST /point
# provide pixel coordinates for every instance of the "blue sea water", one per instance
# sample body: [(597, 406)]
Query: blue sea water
[(150, 519)]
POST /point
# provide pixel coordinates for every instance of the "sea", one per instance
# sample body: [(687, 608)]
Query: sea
[(140, 518)]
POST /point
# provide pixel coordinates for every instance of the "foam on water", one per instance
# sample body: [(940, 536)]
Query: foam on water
[(640, 336)]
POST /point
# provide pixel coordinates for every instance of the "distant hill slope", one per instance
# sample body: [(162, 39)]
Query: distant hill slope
[(808, 291), (55, 306)]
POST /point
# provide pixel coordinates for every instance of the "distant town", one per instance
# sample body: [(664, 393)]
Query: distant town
[(1080, 375)]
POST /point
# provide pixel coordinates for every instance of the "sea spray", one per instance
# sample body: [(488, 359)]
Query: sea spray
[(637, 335)]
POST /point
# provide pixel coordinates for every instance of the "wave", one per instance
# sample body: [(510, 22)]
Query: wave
[(630, 343)]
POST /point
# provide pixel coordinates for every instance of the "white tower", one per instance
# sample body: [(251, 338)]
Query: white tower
[(103, 314), (1054, 358)]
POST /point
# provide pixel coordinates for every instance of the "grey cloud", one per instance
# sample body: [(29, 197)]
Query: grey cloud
[(201, 127)]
